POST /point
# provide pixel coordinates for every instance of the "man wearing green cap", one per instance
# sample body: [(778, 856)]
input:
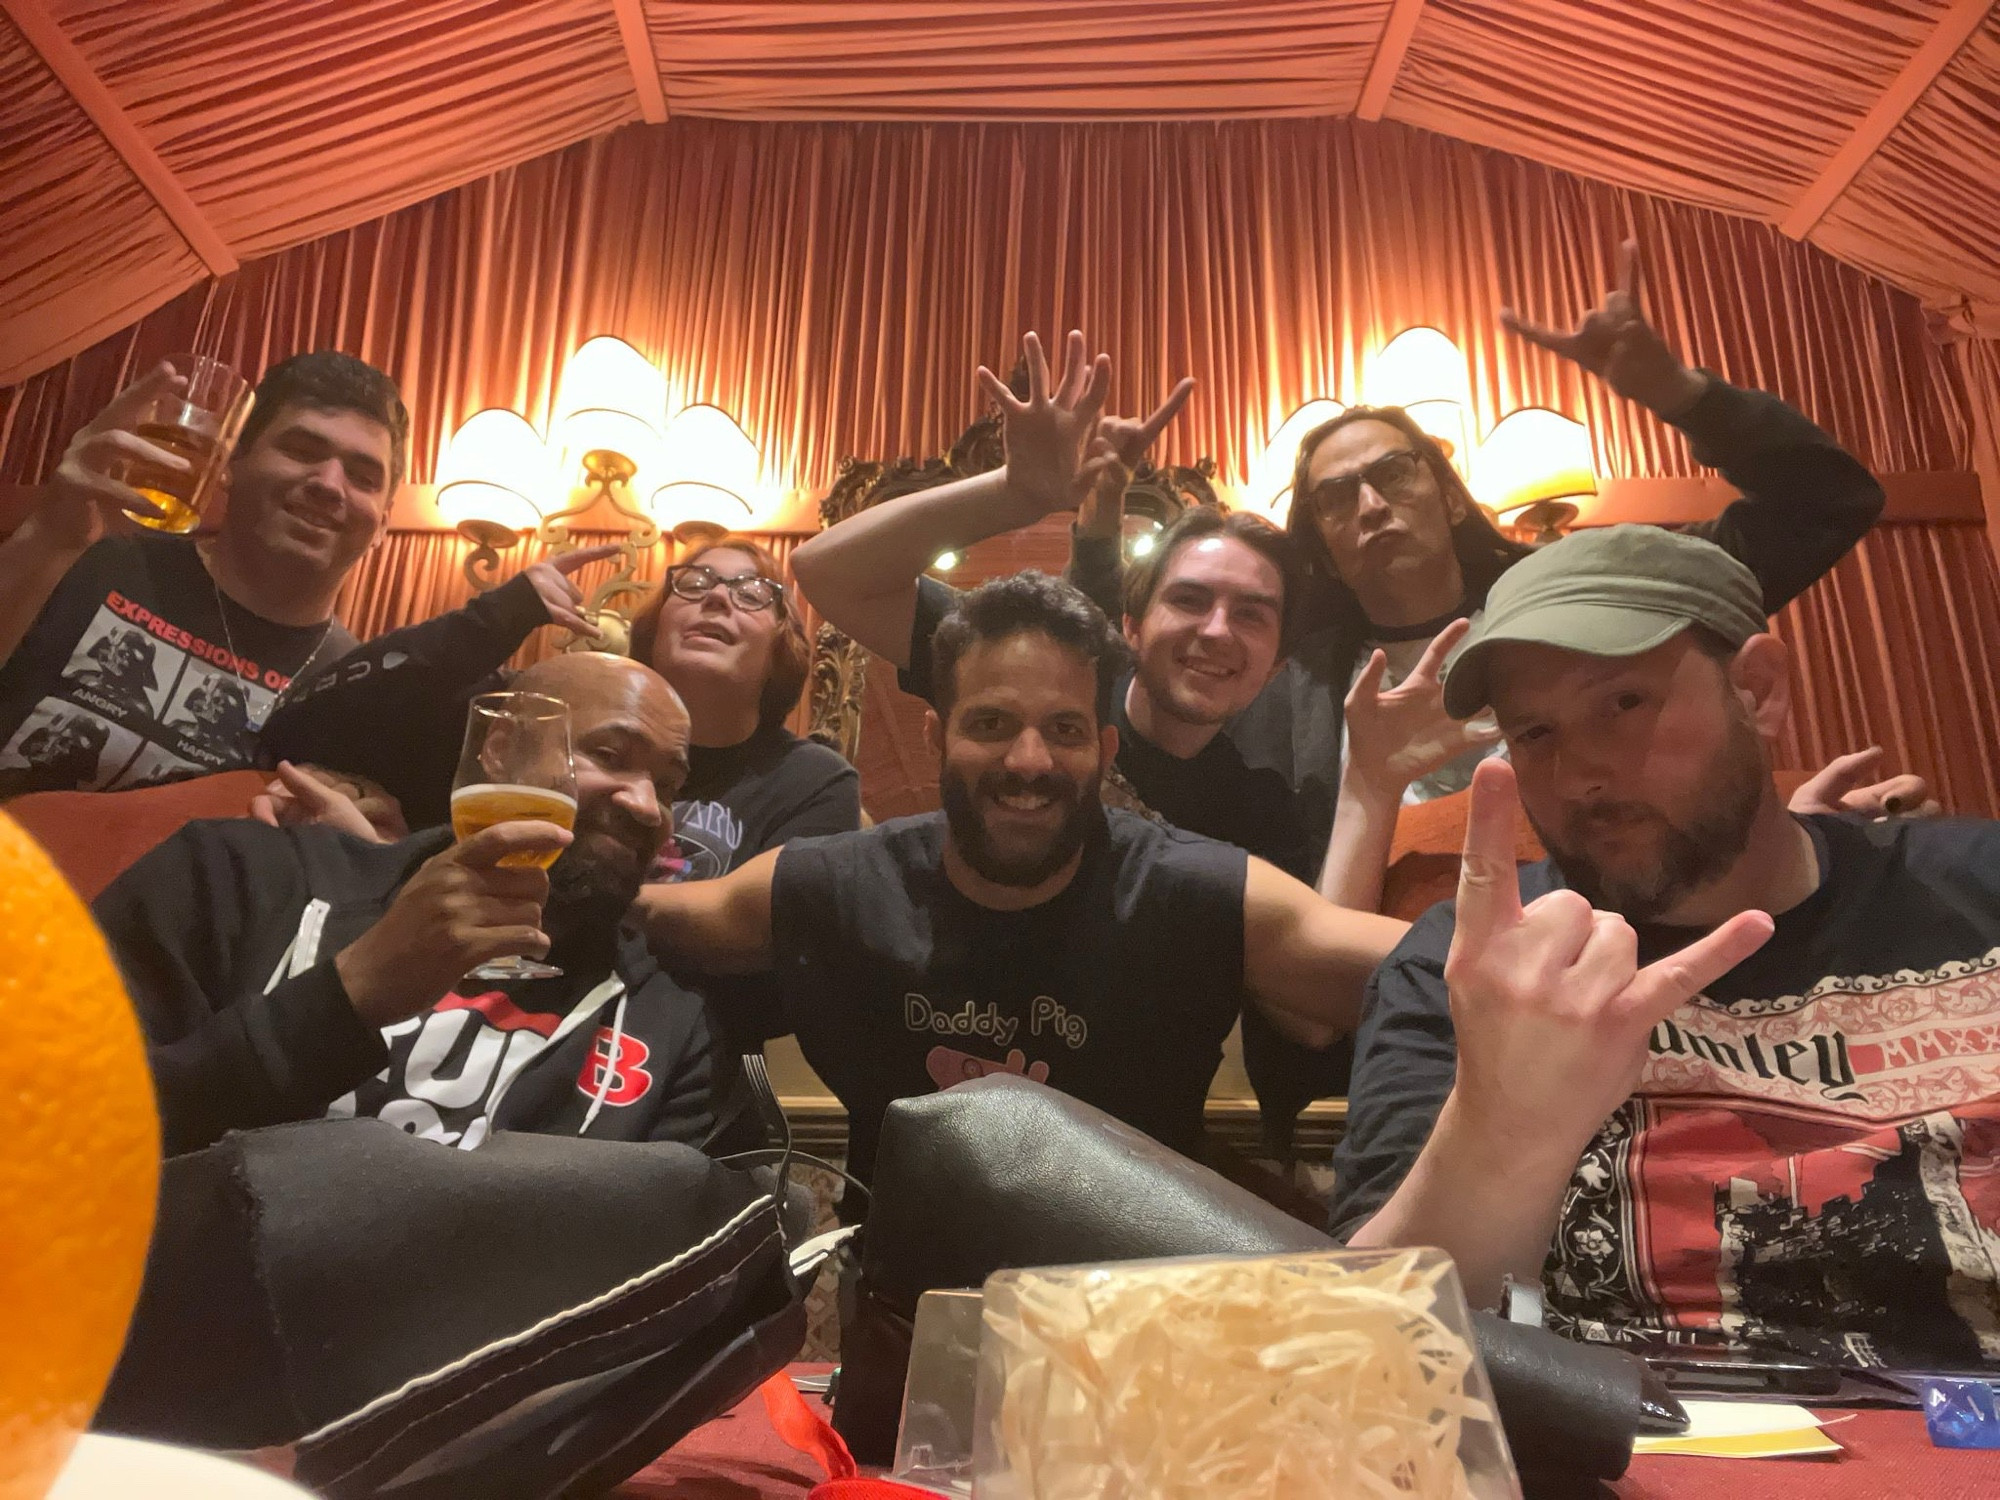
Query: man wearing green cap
[(1801, 1154)]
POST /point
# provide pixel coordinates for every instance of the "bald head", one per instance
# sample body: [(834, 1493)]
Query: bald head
[(587, 680), (629, 737)]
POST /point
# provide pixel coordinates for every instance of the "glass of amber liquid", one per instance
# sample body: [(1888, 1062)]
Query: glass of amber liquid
[(199, 423), (516, 765)]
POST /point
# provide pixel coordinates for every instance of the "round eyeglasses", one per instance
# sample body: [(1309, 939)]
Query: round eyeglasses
[(751, 591), (1393, 476)]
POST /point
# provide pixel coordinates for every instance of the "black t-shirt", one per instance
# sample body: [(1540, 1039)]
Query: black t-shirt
[(1118, 991), (742, 799), (1213, 793), (129, 677), (1809, 1159)]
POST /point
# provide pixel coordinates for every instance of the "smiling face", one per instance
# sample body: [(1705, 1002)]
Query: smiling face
[(1021, 757), (313, 491), (629, 742), (714, 638), (1208, 641), (1396, 524), (1642, 774)]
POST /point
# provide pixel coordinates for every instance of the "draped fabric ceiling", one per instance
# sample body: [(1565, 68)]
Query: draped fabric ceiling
[(146, 144)]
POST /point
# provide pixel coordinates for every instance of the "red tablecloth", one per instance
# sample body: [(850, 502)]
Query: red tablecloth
[(1888, 1454)]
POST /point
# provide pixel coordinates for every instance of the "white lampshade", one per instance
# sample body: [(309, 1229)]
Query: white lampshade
[(495, 468), (707, 464), (1534, 455), (675, 505), (610, 397), (1418, 365), (1270, 485)]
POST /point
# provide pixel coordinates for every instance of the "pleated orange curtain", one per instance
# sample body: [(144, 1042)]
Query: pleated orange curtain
[(833, 285)]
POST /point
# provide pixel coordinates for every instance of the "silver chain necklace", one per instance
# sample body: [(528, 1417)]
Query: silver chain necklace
[(222, 613)]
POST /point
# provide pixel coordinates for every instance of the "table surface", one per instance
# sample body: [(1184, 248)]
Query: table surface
[(1887, 1454)]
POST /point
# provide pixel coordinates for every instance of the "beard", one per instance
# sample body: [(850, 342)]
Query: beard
[(975, 844), (594, 882), (1685, 856)]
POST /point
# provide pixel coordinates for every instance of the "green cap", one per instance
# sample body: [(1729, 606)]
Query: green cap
[(1608, 591)]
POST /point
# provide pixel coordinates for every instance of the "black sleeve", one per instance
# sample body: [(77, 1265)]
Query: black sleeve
[(1097, 566), (175, 921), (1404, 1061), (934, 602), (1806, 500), (393, 709)]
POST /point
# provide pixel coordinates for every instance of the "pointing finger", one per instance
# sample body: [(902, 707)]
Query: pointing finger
[(1565, 344), (1661, 988), (569, 562), (1489, 887), (1628, 271), (1166, 412)]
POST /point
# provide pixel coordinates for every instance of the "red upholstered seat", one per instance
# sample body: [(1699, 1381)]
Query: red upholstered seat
[(94, 837)]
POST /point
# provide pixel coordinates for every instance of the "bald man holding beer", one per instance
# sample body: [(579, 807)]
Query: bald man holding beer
[(289, 973)]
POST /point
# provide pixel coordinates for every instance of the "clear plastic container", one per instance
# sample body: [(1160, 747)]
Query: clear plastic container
[(934, 1439), (1227, 1378)]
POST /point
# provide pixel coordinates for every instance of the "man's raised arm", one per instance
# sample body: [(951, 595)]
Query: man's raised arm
[(70, 511), (1306, 961), (720, 926), (1552, 1014)]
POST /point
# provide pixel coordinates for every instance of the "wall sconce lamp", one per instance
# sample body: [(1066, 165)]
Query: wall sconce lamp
[(1532, 469), (698, 471)]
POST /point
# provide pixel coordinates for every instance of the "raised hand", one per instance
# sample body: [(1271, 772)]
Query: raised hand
[(79, 496), (1843, 786), (1551, 1009), (1616, 343), (461, 909), (1115, 451), (311, 794), (1049, 434), (1396, 736), (560, 596)]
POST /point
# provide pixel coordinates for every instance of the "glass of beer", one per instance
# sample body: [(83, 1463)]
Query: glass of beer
[(199, 424), (516, 765)]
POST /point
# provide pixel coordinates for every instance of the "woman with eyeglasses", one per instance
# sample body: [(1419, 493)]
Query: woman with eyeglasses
[(724, 629)]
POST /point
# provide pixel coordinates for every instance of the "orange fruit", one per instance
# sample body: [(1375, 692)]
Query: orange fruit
[(79, 1166)]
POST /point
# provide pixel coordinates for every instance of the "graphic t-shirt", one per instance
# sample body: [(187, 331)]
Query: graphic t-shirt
[(1118, 991), (127, 677), (740, 800), (1812, 1156)]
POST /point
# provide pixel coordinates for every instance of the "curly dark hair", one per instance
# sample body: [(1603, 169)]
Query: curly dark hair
[(1018, 603), (327, 380), (791, 653), (1483, 553), (1142, 578)]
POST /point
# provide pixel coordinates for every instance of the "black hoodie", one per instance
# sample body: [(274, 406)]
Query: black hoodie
[(226, 935)]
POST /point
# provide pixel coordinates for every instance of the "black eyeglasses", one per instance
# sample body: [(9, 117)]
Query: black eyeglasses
[(1393, 476), (751, 591)]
